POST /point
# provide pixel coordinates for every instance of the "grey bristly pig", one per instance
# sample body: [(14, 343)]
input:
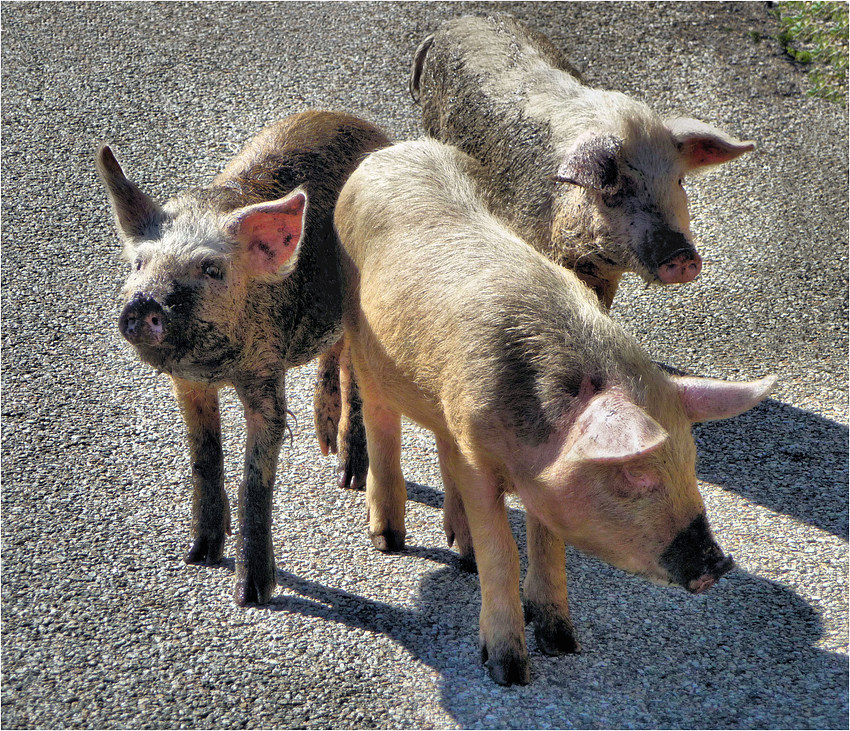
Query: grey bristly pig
[(591, 178), (231, 285), (528, 386)]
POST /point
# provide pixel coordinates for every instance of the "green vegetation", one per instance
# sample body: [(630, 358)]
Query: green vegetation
[(815, 34)]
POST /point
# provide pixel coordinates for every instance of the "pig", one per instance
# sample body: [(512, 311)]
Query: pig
[(591, 178), (233, 284), (529, 388)]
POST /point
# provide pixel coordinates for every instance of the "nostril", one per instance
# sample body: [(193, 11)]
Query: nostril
[(154, 323), (127, 323)]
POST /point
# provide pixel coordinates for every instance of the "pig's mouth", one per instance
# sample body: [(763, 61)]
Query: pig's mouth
[(694, 560), (160, 356)]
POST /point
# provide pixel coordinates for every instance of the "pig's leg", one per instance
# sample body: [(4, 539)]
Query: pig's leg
[(210, 508), (545, 591), (338, 415), (502, 629), (353, 453), (455, 523), (386, 492), (327, 400), (265, 414)]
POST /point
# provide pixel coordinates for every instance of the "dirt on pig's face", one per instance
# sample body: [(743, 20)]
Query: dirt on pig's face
[(184, 300), (622, 206), (626, 510)]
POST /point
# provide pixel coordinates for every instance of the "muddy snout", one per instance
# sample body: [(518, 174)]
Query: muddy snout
[(694, 560), (143, 321), (681, 268), (672, 256)]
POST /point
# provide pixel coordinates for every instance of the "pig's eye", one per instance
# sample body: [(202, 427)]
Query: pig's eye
[(681, 182), (213, 271), (137, 265)]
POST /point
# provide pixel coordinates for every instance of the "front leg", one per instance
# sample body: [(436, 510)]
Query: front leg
[(265, 414), (502, 630), (545, 591), (210, 508), (386, 491)]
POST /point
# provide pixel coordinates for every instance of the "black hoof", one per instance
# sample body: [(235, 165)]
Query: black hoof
[(553, 632), (509, 667), (389, 541), (206, 551), (251, 593)]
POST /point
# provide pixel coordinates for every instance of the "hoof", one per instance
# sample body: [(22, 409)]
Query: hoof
[(249, 593), (352, 476), (255, 586), (326, 434), (507, 667), (205, 551), (553, 632), (389, 541), (467, 563)]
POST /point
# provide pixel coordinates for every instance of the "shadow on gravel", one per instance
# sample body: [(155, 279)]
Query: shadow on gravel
[(741, 656), (741, 670), (784, 458)]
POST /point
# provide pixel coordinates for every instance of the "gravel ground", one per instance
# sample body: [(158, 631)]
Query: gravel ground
[(103, 625)]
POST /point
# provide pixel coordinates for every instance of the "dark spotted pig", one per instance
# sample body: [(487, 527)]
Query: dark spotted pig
[(591, 178), (528, 386), (231, 285)]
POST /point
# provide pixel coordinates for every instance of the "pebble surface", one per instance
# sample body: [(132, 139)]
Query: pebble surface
[(104, 626)]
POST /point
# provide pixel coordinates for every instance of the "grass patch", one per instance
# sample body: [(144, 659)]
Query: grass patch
[(815, 34)]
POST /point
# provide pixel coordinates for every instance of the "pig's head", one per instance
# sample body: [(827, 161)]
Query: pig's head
[(620, 483), (623, 204), (198, 265)]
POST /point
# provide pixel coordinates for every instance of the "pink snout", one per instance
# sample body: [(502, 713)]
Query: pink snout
[(681, 268)]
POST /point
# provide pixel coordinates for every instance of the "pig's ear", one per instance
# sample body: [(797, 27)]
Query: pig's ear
[(611, 428), (700, 144), (136, 213), (592, 162), (706, 399), (270, 233)]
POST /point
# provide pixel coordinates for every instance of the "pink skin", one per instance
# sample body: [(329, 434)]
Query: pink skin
[(154, 327), (702, 584), (680, 269)]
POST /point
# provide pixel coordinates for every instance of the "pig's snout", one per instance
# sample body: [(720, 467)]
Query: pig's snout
[(693, 558), (671, 256), (706, 581), (681, 268), (143, 321)]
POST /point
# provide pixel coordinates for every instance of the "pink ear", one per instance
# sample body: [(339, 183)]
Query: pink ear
[(611, 428), (706, 399), (700, 144), (270, 233)]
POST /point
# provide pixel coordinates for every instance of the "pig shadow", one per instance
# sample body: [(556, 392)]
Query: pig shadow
[(653, 657), (783, 458), (744, 655)]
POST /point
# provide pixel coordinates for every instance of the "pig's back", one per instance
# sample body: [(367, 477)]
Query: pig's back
[(316, 150), (460, 303)]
